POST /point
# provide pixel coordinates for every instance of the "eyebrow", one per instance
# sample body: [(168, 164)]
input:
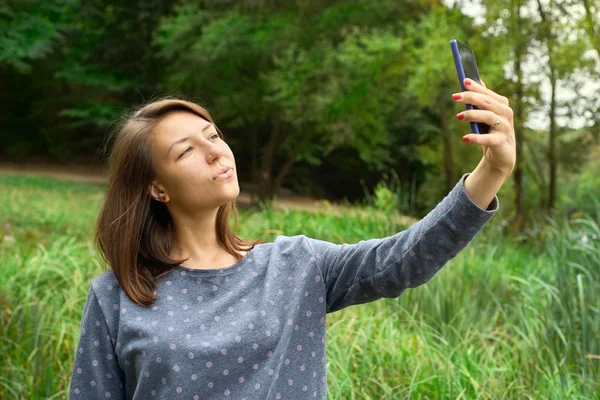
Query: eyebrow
[(186, 138)]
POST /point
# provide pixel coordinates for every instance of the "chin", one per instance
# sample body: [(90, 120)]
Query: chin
[(236, 193), (233, 192)]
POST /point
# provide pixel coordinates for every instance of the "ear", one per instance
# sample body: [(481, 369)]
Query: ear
[(155, 190)]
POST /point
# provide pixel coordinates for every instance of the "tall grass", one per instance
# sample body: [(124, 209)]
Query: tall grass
[(499, 321)]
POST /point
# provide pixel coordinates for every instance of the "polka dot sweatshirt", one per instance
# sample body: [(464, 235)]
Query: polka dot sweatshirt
[(255, 329)]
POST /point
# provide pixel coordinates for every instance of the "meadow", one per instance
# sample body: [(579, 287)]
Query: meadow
[(502, 320)]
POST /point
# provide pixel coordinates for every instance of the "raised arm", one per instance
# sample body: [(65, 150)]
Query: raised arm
[(375, 268)]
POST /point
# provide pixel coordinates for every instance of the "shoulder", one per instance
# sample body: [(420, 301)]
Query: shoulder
[(296, 246), (107, 281), (106, 288), (303, 242), (294, 241)]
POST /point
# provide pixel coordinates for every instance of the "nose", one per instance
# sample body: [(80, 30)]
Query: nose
[(212, 151)]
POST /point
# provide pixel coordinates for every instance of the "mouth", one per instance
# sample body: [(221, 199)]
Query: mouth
[(223, 173)]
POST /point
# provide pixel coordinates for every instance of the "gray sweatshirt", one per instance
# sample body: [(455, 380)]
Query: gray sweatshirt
[(255, 329)]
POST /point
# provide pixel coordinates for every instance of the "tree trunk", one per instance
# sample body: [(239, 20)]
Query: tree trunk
[(448, 161), (265, 178), (517, 224), (553, 159), (267, 183), (254, 172), (547, 35), (539, 176), (591, 26), (282, 173)]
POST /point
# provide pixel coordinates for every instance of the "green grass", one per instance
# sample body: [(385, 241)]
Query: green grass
[(498, 322)]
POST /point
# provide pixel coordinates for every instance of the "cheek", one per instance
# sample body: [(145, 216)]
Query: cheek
[(177, 181), (185, 173), (193, 174)]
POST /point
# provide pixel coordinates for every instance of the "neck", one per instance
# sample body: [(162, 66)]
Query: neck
[(195, 236)]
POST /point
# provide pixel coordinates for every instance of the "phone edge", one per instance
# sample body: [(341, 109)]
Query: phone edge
[(461, 78)]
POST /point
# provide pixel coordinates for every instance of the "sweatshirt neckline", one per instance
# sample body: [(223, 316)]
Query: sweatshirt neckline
[(217, 271)]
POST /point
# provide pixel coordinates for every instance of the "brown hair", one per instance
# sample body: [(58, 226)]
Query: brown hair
[(133, 231)]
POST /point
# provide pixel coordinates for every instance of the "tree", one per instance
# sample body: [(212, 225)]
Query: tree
[(592, 7), (433, 76), (564, 59), (507, 22), (305, 92)]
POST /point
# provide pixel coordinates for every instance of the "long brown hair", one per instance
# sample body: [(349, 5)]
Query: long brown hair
[(134, 232)]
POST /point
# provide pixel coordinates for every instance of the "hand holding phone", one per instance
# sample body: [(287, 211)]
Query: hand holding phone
[(466, 67)]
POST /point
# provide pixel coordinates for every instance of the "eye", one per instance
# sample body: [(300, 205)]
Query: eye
[(184, 151), (216, 134)]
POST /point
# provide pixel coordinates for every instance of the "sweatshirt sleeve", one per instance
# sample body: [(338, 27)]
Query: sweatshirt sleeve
[(375, 268), (96, 371)]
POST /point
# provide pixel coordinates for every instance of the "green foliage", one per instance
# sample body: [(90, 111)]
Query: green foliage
[(306, 80), (339, 89), (580, 191), (345, 93), (29, 31), (390, 194), (384, 198), (102, 115)]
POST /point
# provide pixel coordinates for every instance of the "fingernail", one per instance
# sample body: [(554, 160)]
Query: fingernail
[(467, 82), (456, 96), (465, 138), (460, 116)]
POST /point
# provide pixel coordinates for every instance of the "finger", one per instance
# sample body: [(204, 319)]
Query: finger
[(484, 101), (471, 85), (490, 139), (483, 83), (485, 116)]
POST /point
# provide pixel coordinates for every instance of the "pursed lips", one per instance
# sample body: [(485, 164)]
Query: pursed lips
[(221, 171)]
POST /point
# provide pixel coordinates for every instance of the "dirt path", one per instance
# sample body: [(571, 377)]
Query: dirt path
[(81, 174), (97, 175)]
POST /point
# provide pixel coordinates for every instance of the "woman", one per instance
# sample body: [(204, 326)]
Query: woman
[(189, 310)]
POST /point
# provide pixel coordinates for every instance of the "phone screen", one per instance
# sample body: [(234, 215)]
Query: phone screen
[(468, 60), (470, 67)]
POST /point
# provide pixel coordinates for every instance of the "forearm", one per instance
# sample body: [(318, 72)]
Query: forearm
[(385, 267), (483, 184)]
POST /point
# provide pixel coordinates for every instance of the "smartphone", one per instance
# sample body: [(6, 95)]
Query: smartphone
[(466, 67)]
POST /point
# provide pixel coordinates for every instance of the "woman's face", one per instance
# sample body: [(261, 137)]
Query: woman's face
[(188, 154)]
